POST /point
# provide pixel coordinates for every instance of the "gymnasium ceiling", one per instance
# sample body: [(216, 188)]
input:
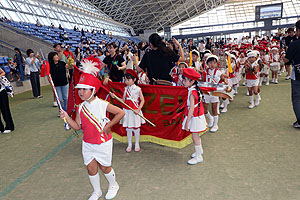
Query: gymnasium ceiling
[(154, 14)]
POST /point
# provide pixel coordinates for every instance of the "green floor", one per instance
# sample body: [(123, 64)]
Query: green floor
[(254, 155)]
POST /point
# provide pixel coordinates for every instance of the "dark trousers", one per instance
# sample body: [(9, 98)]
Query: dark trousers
[(35, 83), (4, 110), (296, 98)]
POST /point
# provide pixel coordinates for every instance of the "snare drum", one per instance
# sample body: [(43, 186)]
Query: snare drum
[(275, 66)]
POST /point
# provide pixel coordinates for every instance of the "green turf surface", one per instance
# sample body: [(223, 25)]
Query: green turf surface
[(254, 155)]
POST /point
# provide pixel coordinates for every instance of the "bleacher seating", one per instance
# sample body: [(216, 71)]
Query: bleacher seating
[(52, 35)]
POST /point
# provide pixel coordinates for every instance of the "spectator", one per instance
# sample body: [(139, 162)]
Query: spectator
[(13, 69), (291, 36), (52, 25), (115, 64), (58, 73), (65, 36), (293, 55), (38, 23), (34, 63), (60, 27), (20, 63), (4, 109)]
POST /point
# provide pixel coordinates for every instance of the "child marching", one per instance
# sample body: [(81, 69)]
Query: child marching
[(275, 63), (194, 120), (212, 75), (133, 97), (252, 76), (97, 144)]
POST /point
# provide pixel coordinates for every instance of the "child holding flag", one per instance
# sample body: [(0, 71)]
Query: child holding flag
[(97, 141), (133, 97)]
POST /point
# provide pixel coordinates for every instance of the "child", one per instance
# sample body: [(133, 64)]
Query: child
[(176, 73), (275, 64), (131, 121), (264, 74), (194, 120), (13, 69), (97, 141), (212, 75), (241, 61), (252, 69), (196, 63)]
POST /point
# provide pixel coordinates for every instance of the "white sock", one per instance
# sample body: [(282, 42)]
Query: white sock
[(137, 136), (95, 182), (261, 80), (208, 115), (268, 79), (226, 102), (251, 99), (218, 108), (198, 150), (216, 119), (256, 97), (129, 136), (111, 177)]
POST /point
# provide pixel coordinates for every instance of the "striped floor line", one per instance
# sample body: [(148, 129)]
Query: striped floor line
[(35, 167)]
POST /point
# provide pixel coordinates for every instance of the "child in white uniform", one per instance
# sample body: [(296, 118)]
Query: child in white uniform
[(133, 97)]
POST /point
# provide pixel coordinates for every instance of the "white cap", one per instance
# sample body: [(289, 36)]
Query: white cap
[(212, 56), (251, 54), (274, 48), (197, 52)]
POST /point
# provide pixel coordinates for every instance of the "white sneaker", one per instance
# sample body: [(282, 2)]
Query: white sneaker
[(224, 110), (55, 104), (95, 196), (244, 84), (287, 78), (195, 160), (279, 73), (210, 122), (251, 105), (247, 93), (112, 191), (193, 155), (236, 92), (268, 83), (214, 129), (6, 131), (276, 81), (257, 102)]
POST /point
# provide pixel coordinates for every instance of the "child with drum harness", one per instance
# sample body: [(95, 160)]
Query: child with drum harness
[(264, 73), (252, 76), (275, 63), (212, 75)]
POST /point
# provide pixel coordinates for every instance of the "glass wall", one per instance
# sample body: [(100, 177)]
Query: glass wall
[(68, 13), (236, 11)]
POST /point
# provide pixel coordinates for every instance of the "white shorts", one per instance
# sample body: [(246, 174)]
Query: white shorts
[(211, 99), (102, 153), (252, 82)]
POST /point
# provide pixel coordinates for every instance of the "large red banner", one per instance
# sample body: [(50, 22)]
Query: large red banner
[(164, 106)]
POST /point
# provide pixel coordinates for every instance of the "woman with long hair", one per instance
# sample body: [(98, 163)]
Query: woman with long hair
[(18, 58), (159, 60)]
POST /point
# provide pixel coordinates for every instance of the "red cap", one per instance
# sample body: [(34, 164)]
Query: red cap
[(191, 74), (89, 81), (133, 73)]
